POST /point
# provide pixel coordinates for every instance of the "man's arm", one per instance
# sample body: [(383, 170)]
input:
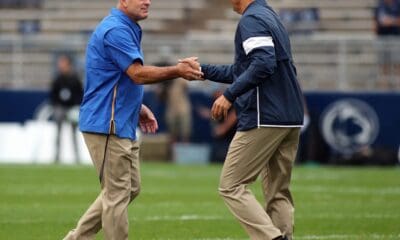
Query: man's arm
[(258, 44), (54, 88), (151, 74), (124, 51), (260, 50), (218, 73), (263, 64), (215, 73)]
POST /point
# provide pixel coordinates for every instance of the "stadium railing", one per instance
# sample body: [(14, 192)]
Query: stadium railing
[(323, 62)]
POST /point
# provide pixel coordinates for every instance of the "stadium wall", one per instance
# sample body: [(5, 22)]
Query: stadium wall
[(344, 128)]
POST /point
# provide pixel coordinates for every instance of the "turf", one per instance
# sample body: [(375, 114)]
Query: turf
[(182, 202)]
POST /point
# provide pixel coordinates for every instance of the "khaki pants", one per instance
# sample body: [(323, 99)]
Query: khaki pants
[(120, 185), (270, 152)]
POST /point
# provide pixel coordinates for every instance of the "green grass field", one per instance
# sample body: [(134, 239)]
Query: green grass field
[(182, 202)]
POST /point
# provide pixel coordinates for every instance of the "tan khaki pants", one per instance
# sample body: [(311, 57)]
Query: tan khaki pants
[(119, 186), (270, 152)]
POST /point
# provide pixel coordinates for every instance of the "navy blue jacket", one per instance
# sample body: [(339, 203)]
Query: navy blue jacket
[(264, 86)]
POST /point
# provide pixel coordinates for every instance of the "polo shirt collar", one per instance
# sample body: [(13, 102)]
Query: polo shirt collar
[(121, 15), (262, 2)]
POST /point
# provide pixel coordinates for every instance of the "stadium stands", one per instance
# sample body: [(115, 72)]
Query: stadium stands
[(339, 50)]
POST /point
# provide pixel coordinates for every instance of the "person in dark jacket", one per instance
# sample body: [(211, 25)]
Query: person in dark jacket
[(66, 95), (268, 102), (387, 18), (387, 27)]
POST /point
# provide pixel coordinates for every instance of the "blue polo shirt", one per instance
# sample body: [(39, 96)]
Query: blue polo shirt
[(112, 48)]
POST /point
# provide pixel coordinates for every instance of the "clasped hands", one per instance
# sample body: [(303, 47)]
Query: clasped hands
[(189, 69), (221, 105)]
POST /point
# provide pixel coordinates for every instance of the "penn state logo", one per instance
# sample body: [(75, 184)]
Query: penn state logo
[(348, 125)]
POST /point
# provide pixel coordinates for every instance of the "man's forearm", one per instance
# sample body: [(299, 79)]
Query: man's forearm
[(152, 74), (249, 79), (218, 73)]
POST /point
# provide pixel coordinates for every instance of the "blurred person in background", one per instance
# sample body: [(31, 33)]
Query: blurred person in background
[(223, 130), (302, 149), (269, 106), (178, 110), (66, 95), (387, 25), (110, 112), (387, 18), (175, 95), (20, 3)]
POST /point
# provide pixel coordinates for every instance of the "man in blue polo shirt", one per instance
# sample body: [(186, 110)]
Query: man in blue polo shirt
[(110, 111), (269, 107)]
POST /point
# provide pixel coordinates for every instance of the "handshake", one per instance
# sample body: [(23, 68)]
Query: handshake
[(189, 69)]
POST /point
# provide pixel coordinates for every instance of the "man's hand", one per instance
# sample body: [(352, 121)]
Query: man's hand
[(220, 108), (147, 120), (192, 61), (190, 69)]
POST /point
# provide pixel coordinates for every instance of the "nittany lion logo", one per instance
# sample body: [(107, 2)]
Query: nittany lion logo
[(348, 125)]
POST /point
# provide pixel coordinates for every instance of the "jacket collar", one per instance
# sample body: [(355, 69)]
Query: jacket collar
[(256, 2)]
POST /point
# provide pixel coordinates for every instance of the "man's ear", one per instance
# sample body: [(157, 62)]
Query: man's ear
[(123, 3)]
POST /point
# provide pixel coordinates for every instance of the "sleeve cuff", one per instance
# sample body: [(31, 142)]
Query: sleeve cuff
[(228, 95), (129, 61), (204, 68)]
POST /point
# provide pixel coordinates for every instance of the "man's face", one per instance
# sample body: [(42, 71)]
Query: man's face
[(236, 5), (64, 64), (136, 9)]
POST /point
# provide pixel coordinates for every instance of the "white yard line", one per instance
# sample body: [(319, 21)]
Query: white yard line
[(194, 217), (346, 236), (349, 216), (315, 237), (179, 204), (352, 190), (180, 218), (219, 239)]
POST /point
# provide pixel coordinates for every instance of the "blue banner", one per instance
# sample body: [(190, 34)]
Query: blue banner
[(352, 127)]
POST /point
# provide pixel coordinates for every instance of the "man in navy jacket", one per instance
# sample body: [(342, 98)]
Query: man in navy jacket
[(268, 102)]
